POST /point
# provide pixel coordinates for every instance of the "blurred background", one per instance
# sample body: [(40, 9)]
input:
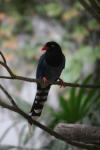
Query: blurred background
[(25, 26)]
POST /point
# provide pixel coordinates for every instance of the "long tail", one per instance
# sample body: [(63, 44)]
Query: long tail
[(40, 99)]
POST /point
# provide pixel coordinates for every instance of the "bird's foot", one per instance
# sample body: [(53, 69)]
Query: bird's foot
[(45, 82), (61, 82)]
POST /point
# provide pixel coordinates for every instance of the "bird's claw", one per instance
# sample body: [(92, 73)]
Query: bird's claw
[(61, 82), (45, 82)]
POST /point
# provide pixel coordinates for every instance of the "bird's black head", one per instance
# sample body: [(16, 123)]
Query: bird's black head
[(53, 55), (51, 46)]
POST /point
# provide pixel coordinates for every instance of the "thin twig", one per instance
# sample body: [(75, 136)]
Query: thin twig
[(66, 84), (4, 60), (16, 77), (7, 68), (8, 95), (21, 78)]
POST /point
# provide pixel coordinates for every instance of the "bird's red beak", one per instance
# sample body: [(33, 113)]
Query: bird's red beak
[(45, 48)]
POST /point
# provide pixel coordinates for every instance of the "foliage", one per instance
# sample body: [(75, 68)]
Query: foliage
[(77, 104), (80, 40)]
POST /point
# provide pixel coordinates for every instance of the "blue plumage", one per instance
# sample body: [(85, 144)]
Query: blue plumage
[(50, 66), (50, 72)]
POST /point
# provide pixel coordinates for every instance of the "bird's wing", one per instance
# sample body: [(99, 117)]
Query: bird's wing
[(41, 68), (45, 70)]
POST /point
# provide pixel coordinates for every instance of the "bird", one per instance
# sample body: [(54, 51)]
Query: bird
[(49, 69)]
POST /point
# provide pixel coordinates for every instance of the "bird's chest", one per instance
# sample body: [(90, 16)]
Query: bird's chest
[(52, 73)]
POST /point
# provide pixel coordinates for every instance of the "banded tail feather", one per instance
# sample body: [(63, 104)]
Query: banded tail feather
[(40, 99)]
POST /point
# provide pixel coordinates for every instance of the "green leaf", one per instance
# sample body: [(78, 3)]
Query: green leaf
[(72, 102), (88, 102), (67, 113), (64, 105), (81, 93), (72, 98)]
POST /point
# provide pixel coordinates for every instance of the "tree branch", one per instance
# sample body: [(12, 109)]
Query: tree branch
[(66, 84), (4, 60), (50, 131), (16, 77), (8, 95), (16, 109), (90, 136), (31, 121), (7, 68)]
